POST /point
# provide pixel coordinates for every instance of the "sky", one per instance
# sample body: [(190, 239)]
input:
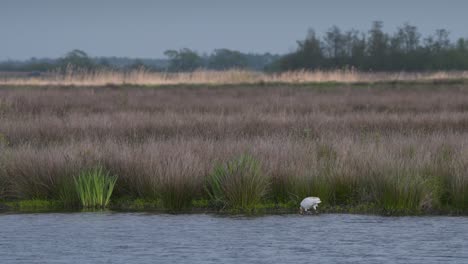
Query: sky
[(145, 29)]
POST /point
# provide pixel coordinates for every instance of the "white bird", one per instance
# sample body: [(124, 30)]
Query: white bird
[(309, 202)]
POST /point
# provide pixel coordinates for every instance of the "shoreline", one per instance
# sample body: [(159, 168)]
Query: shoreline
[(151, 206)]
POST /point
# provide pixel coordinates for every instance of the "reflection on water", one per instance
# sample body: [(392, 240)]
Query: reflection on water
[(154, 238)]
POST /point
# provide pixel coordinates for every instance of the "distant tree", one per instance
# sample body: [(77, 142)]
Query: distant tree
[(77, 58), (355, 48), (138, 64), (409, 38), (104, 63), (442, 40), (404, 49), (462, 45), (183, 60), (309, 54), (377, 45), (343, 49), (335, 43), (222, 59)]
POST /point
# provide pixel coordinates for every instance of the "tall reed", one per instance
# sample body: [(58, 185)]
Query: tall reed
[(83, 77)]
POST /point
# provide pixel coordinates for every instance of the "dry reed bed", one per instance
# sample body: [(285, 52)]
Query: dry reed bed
[(396, 148), (80, 77)]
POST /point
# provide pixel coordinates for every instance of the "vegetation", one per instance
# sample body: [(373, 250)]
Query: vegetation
[(183, 60), (360, 148), (94, 188), (82, 77), (238, 184), (405, 50)]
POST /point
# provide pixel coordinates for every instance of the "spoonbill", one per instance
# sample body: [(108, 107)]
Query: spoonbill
[(309, 202)]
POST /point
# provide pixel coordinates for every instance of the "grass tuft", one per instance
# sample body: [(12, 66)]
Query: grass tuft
[(237, 184), (398, 191), (94, 188)]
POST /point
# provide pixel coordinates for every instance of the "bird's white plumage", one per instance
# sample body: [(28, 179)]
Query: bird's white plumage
[(310, 202)]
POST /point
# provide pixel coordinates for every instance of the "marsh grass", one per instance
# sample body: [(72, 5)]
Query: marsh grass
[(237, 184), (301, 187), (178, 182), (176, 196), (94, 188), (459, 192), (280, 188), (4, 184), (447, 179), (361, 147), (398, 191), (35, 174), (67, 193), (450, 186)]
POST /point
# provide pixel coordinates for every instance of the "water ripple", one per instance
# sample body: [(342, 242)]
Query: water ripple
[(157, 238)]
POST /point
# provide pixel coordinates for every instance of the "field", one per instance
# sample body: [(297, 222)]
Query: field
[(385, 147)]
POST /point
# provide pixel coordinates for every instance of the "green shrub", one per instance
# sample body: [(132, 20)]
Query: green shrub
[(94, 188), (238, 184)]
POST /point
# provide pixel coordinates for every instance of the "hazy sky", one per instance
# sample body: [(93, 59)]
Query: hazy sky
[(143, 28)]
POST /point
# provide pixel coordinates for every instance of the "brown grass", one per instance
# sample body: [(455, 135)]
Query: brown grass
[(397, 147), (79, 77)]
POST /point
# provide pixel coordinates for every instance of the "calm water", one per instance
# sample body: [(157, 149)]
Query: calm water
[(154, 238)]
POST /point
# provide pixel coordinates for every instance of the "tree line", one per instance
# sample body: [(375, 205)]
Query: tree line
[(374, 50), (177, 60)]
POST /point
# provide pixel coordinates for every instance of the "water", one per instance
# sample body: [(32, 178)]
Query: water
[(154, 238)]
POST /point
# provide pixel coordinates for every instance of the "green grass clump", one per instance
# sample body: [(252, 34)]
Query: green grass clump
[(451, 191), (398, 191), (447, 180), (279, 190), (176, 195), (94, 188), (459, 193), (237, 184), (66, 192)]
